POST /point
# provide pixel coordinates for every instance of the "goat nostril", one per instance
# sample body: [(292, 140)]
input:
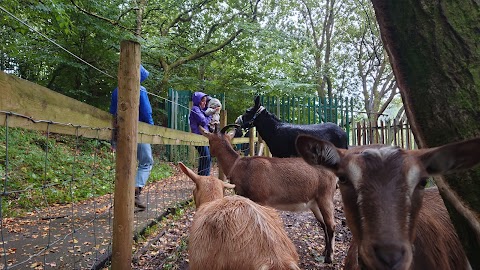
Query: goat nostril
[(389, 255)]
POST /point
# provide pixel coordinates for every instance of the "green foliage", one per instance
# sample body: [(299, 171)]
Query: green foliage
[(274, 52), (32, 57), (38, 171), (160, 171)]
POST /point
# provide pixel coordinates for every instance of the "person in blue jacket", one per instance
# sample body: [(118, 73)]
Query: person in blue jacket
[(198, 118), (144, 150)]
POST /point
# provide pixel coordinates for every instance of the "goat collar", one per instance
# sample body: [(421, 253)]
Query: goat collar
[(233, 167), (257, 113)]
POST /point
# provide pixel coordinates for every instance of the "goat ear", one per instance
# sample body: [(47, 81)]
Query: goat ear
[(318, 152), (257, 101), (450, 157), (188, 172)]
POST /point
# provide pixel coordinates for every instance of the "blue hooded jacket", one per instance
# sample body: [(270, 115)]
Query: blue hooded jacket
[(197, 115), (144, 109)]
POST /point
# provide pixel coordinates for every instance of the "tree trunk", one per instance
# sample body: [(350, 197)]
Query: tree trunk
[(163, 86), (434, 52)]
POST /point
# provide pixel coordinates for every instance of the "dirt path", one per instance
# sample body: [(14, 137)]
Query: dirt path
[(170, 250), (79, 236)]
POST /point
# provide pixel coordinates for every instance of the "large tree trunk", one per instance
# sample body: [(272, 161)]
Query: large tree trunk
[(434, 47)]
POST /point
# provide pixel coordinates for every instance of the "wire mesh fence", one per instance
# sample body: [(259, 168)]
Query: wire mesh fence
[(57, 198)]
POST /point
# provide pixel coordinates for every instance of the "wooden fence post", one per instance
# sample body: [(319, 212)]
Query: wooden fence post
[(267, 151), (261, 146), (127, 119), (382, 132), (174, 112), (359, 134), (252, 141)]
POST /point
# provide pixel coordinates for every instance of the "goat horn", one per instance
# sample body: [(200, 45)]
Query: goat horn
[(225, 128)]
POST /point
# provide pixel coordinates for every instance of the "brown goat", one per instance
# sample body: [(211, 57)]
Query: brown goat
[(382, 189), (235, 233), (288, 184)]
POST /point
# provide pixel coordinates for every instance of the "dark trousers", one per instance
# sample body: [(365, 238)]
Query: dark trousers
[(204, 161)]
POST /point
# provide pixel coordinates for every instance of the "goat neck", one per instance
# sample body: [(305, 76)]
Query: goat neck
[(229, 174), (267, 125), (227, 157), (221, 148)]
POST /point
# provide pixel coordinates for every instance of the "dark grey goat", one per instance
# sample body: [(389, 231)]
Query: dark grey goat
[(280, 136)]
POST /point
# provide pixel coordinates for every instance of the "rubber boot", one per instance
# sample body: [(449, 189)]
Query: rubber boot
[(138, 202)]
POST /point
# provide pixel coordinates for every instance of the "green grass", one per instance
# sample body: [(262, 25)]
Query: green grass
[(37, 171)]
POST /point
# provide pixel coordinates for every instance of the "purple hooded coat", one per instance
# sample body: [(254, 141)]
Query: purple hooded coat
[(197, 116)]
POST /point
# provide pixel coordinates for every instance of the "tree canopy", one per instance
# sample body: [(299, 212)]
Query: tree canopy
[(239, 48)]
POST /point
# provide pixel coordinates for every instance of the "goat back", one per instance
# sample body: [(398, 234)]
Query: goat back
[(236, 233), (286, 180)]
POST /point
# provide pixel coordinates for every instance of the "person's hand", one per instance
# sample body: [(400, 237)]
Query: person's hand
[(113, 146), (218, 109)]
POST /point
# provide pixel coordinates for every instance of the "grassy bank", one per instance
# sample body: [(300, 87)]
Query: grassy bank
[(39, 169)]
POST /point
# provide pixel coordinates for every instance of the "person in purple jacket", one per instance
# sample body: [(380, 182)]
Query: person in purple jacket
[(144, 150), (198, 118)]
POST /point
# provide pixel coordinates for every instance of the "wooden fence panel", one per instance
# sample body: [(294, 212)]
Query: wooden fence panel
[(26, 104), (398, 133)]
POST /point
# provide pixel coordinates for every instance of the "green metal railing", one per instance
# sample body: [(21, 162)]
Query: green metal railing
[(299, 110), (311, 110)]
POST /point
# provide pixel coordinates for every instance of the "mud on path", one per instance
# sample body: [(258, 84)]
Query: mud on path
[(166, 248)]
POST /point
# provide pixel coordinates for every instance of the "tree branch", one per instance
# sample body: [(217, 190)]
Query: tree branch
[(110, 21), (393, 92), (208, 51)]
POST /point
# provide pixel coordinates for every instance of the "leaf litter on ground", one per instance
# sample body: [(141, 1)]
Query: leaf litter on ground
[(166, 246)]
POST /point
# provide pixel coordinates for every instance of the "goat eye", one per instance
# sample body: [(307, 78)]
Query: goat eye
[(423, 182), (342, 180)]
